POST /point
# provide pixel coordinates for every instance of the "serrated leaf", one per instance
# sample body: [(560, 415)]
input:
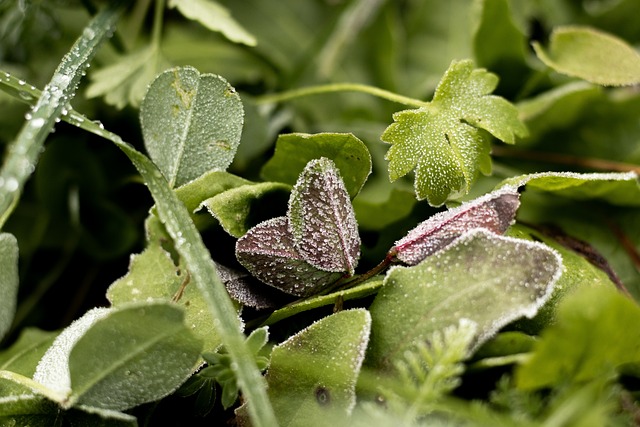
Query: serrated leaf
[(313, 374), (8, 281), (444, 140), (488, 279), (321, 219), (293, 152), (591, 338), (191, 123), (269, 253), (215, 17), (125, 81), (592, 55), (493, 212), (135, 354), (233, 208)]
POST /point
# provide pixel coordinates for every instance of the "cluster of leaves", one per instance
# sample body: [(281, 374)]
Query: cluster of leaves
[(265, 213)]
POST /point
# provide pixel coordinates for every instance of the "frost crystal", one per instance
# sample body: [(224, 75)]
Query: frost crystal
[(494, 212)]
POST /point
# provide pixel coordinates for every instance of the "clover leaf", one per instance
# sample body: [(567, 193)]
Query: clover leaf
[(445, 140)]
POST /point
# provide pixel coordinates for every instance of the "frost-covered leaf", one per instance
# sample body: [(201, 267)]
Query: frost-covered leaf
[(250, 292), (153, 275), (215, 17), (592, 55), (594, 335), (488, 279), (616, 188), (321, 219), (293, 152), (133, 355), (234, 208), (444, 141), (191, 123), (8, 280), (269, 253), (125, 80), (493, 212), (312, 376)]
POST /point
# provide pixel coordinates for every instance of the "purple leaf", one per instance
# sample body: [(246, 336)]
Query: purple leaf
[(494, 212), (249, 291), (321, 219), (268, 252)]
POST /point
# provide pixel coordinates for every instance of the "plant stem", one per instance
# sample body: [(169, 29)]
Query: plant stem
[(156, 35), (340, 87)]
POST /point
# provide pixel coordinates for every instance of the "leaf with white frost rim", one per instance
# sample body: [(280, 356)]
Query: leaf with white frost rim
[(191, 123), (322, 220), (488, 279), (312, 376), (268, 252), (492, 212)]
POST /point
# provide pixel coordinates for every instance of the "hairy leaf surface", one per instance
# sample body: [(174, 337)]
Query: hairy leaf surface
[(8, 280), (444, 141)]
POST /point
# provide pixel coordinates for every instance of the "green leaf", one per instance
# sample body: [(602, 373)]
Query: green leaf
[(591, 338), (312, 375), (237, 208), (135, 354), (592, 55), (8, 281), (444, 140), (153, 275), (23, 355), (215, 17), (488, 279), (294, 151), (376, 215), (126, 79), (620, 189), (191, 123)]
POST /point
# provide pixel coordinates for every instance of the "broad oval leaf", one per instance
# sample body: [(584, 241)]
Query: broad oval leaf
[(488, 279), (322, 220), (191, 123), (135, 354), (269, 253), (312, 376), (443, 141), (8, 280), (592, 55), (293, 152), (493, 212)]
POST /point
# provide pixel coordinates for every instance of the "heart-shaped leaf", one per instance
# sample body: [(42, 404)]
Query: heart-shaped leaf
[(493, 212)]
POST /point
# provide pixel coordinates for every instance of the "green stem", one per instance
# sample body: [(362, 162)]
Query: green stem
[(340, 87), (156, 35)]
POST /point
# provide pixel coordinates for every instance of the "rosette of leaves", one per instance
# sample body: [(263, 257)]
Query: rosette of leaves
[(314, 245)]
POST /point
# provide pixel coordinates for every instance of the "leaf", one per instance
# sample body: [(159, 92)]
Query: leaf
[(126, 79), (377, 215), (269, 253), (135, 354), (235, 209), (153, 275), (591, 338), (23, 355), (620, 189), (295, 150), (215, 17), (443, 141), (316, 244), (488, 279), (313, 374), (493, 212), (592, 55), (191, 123), (8, 281)]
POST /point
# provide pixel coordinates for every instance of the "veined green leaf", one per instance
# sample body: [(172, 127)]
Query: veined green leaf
[(312, 376), (215, 17), (8, 281), (295, 150), (488, 279), (191, 123), (592, 55), (444, 141)]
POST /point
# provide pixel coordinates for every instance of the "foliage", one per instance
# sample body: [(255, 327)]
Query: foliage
[(433, 205)]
